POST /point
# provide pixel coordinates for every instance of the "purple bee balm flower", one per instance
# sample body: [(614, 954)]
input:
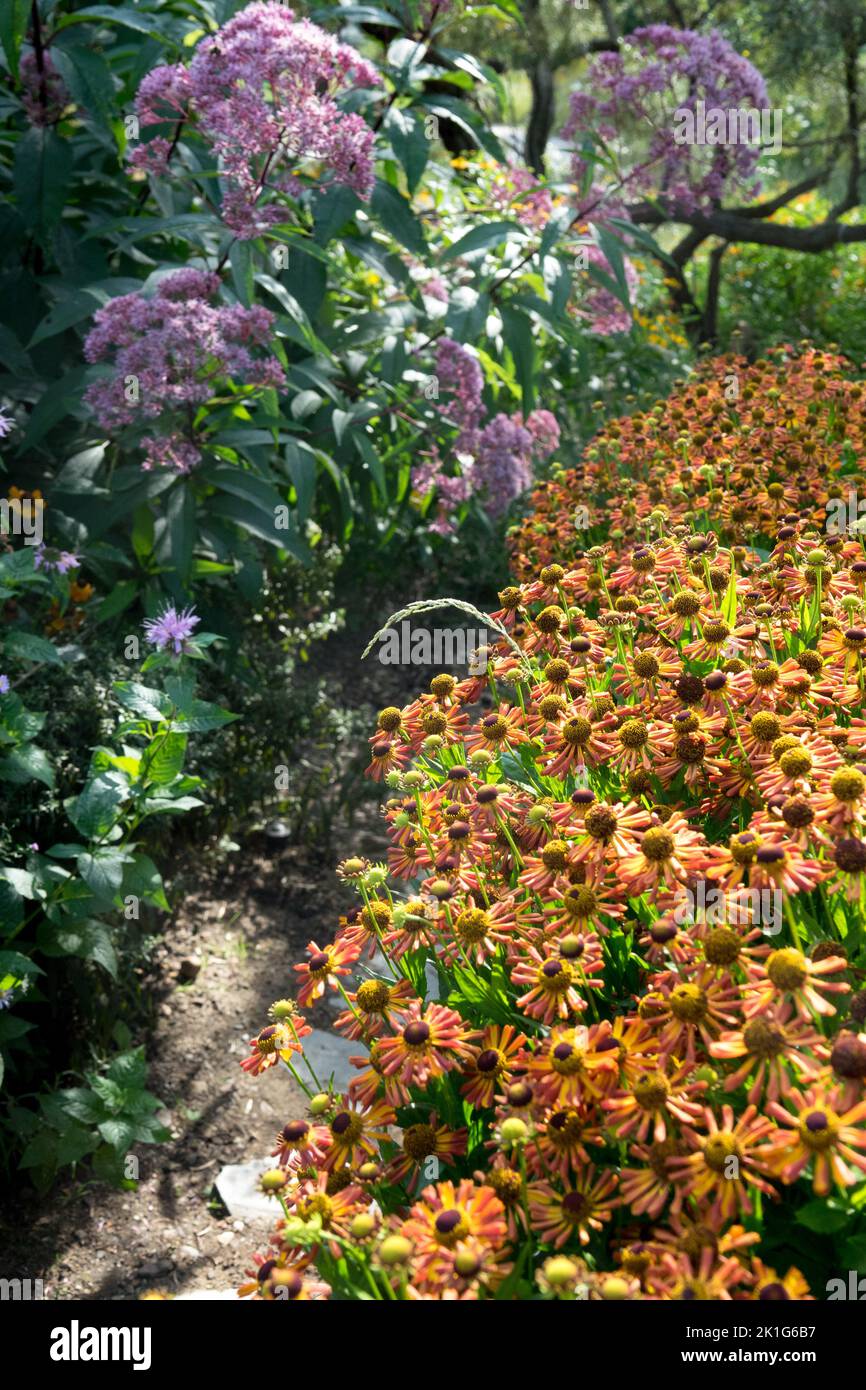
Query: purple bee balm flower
[(4, 685), (171, 629), (5, 425)]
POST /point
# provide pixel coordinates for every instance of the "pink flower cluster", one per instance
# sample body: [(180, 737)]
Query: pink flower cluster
[(656, 72), (44, 94), (263, 93), (169, 354), (458, 372), (503, 464), (500, 455), (516, 190)]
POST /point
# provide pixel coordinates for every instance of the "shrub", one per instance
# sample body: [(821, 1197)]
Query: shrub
[(614, 1019), (76, 881)]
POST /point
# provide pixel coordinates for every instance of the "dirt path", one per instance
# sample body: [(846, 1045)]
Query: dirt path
[(244, 924), (244, 931)]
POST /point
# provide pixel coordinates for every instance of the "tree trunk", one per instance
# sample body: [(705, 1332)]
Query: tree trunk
[(541, 116)]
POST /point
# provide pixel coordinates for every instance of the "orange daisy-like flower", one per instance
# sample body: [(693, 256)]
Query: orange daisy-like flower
[(576, 744), (555, 978), (278, 1279), (447, 1214), (356, 1131), (426, 1140), (581, 1207), (502, 728), (815, 1132), (726, 1162), (275, 1043), (770, 1287), (431, 1042), (332, 1210), (323, 968), (492, 1064), (302, 1143), (669, 853), (647, 1188), (788, 973), (652, 1101), (567, 1067), (768, 1047), (559, 1143), (386, 756), (375, 1005), (687, 1010)]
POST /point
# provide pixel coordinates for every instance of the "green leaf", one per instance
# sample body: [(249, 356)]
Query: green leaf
[(81, 304), (14, 15), (82, 1104), (823, 1217), (74, 1143), (89, 939), (250, 518), (729, 602), (240, 482), (119, 1133), (121, 596), (396, 216), (333, 208), (27, 646), (102, 871), (42, 174), (129, 1069), (482, 238), (53, 405), (364, 444), (613, 251), (241, 262), (520, 340), (409, 142), (145, 700), (27, 764), (181, 516), (88, 78), (14, 963), (168, 758), (94, 812), (301, 464), (143, 879), (203, 716), (42, 1150)]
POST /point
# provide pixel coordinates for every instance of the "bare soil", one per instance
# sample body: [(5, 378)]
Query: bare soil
[(239, 930)]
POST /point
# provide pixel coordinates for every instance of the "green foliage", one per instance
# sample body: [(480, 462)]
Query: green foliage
[(71, 905)]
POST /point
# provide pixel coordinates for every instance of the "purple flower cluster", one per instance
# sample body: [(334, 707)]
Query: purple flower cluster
[(544, 432), (169, 354), (656, 72), (496, 460), (264, 93), (503, 464), (44, 94), (516, 190), (451, 489), (459, 373)]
